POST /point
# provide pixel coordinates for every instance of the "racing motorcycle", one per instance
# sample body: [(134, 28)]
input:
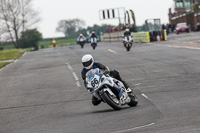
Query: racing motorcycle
[(128, 42), (93, 41), (82, 43), (109, 90)]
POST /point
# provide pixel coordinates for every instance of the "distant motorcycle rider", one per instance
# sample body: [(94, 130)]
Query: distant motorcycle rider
[(53, 43), (93, 37), (126, 33), (81, 40), (88, 64)]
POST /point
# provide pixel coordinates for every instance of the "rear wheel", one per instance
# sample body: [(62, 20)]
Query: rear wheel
[(112, 101)]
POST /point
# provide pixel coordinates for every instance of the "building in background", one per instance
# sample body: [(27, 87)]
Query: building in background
[(185, 11)]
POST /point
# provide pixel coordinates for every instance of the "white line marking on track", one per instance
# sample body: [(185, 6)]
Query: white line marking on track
[(16, 61), (137, 84), (127, 130), (74, 74), (110, 50), (24, 54), (145, 96)]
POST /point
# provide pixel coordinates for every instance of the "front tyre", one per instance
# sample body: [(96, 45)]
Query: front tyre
[(93, 46), (134, 100), (112, 101), (128, 48)]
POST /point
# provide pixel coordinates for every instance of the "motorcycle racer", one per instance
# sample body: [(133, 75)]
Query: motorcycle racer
[(88, 64), (81, 40), (126, 33)]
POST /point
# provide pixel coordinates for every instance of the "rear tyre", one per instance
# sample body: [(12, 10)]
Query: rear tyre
[(134, 100), (112, 101)]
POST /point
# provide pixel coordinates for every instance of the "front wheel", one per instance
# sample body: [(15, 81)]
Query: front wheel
[(128, 48), (93, 46), (112, 101)]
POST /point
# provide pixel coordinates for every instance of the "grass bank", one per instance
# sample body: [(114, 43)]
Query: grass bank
[(2, 64), (12, 54)]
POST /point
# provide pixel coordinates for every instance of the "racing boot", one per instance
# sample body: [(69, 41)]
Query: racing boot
[(126, 86)]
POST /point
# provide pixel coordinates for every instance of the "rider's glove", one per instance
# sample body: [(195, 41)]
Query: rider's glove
[(106, 72)]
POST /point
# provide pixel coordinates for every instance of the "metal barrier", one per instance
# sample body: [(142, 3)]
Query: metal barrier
[(113, 36)]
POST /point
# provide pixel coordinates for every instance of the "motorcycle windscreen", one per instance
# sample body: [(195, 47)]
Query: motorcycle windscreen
[(90, 74)]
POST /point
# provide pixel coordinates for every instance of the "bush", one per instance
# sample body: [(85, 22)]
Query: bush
[(30, 38)]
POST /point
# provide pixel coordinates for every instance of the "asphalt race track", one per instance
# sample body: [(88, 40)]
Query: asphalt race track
[(43, 91)]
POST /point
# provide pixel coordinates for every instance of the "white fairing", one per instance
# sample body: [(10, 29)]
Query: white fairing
[(81, 40), (94, 81), (128, 40), (93, 40)]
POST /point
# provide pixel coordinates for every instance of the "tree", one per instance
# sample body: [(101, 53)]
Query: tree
[(99, 29), (30, 38), (15, 17), (70, 27)]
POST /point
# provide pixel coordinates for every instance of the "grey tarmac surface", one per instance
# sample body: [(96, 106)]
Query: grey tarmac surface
[(43, 91)]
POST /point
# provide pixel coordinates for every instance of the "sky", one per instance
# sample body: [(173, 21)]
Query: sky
[(52, 11)]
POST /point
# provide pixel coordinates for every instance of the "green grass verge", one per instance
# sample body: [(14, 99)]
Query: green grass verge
[(3, 64), (11, 54), (60, 42), (46, 43)]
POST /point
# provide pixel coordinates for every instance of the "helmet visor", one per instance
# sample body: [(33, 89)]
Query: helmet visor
[(88, 63)]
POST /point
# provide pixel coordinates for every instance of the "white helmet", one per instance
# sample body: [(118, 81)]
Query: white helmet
[(87, 61), (81, 34)]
